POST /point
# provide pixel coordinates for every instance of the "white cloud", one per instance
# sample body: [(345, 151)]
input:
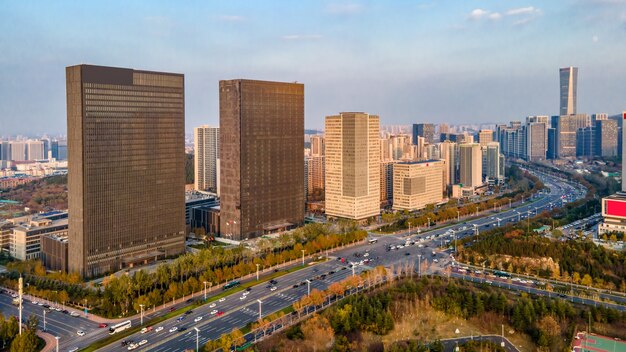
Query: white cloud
[(494, 16), (302, 37), (595, 38), (530, 10), (344, 9), (231, 18), (477, 14)]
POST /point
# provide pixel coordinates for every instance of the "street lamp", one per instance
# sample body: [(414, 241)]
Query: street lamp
[(260, 314), (257, 272), (428, 222), (458, 216), (303, 257), (205, 289), (197, 338), (308, 286), (44, 320), (141, 313), (57, 338)]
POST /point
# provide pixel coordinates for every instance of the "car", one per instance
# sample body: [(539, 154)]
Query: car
[(273, 288), (212, 305), (189, 312), (294, 286), (159, 328), (183, 328), (246, 293), (222, 299), (407, 253), (74, 314), (488, 282), (219, 314), (248, 289), (132, 346), (73, 349), (274, 282), (180, 318), (80, 333), (40, 303), (197, 319), (34, 302), (103, 325), (242, 297), (174, 329), (143, 342), (366, 255), (214, 311), (172, 309), (435, 260)]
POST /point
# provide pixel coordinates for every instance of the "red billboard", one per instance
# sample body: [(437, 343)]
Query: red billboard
[(615, 208)]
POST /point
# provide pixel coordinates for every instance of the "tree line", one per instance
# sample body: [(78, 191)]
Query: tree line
[(122, 295)]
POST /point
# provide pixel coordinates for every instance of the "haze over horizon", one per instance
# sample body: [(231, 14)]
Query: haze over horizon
[(408, 61)]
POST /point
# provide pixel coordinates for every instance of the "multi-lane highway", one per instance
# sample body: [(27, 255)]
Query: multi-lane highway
[(237, 310)]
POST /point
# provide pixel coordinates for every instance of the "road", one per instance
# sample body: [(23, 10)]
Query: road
[(237, 311)]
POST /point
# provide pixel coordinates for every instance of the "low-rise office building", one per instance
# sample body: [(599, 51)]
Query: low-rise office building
[(417, 183), (25, 243), (54, 252)]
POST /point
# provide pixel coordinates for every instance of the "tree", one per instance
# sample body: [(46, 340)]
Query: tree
[(549, 326), (27, 342), (237, 337), (318, 334), (587, 280)]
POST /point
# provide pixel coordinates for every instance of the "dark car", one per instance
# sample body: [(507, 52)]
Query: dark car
[(407, 253), (189, 312), (189, 300), (172, 309), (182, 329), (249, 289), (295, 286)]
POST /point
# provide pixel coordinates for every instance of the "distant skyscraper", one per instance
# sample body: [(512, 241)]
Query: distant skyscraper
[(605, 139), (17, 151), (126, 167), (54, 149), (386, 183), (352, 165), (470, 165), (317, 146), (492, 162), (35, 150), (569, 84), (484, 137), (449, 153), (426, 130), (262, 186), (206, 158), (585, 142), (444, 128), (566, 133), (417, 183), (536, 140)]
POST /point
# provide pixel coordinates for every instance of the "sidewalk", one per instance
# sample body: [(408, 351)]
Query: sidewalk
[(51, 341)]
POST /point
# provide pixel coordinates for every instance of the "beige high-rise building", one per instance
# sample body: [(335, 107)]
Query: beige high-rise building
[(448, 152), (484, 137), (315, 178), (352, 165), (470, 165), (417, 183), (206, 158), (317, 146)]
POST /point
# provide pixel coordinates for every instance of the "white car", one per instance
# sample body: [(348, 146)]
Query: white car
[(132, 346), (74, 314), (80, 333), (34, 302), (174, 329), (142, 342), (273, 288), (222, 299), (366, 255), (197, 319), (214, 311), (212, 305), (158, 329), (242, 297)]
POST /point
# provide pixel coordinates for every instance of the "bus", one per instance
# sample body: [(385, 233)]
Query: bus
[(119, 327), (373, 240), (231, 285), (502, 274)]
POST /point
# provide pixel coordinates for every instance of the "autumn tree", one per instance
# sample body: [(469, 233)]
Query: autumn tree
[(318, 334)]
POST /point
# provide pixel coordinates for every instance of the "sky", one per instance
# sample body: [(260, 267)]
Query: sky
[(455, 61)]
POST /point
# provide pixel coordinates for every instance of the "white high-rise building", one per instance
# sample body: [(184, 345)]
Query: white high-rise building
[(352, 165), (206, 158), (470, 165), (35, 150)]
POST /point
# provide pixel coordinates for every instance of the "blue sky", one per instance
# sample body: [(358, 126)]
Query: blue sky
[(409, 61)]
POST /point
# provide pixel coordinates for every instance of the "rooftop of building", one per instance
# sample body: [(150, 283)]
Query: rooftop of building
[(413, 162)]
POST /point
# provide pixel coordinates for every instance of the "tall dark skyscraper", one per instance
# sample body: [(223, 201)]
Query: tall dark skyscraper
[(261, 148), (426, 130), (569, 85), (126, 167)]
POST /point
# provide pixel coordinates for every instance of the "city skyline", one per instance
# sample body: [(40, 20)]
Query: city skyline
[(446, 51)]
